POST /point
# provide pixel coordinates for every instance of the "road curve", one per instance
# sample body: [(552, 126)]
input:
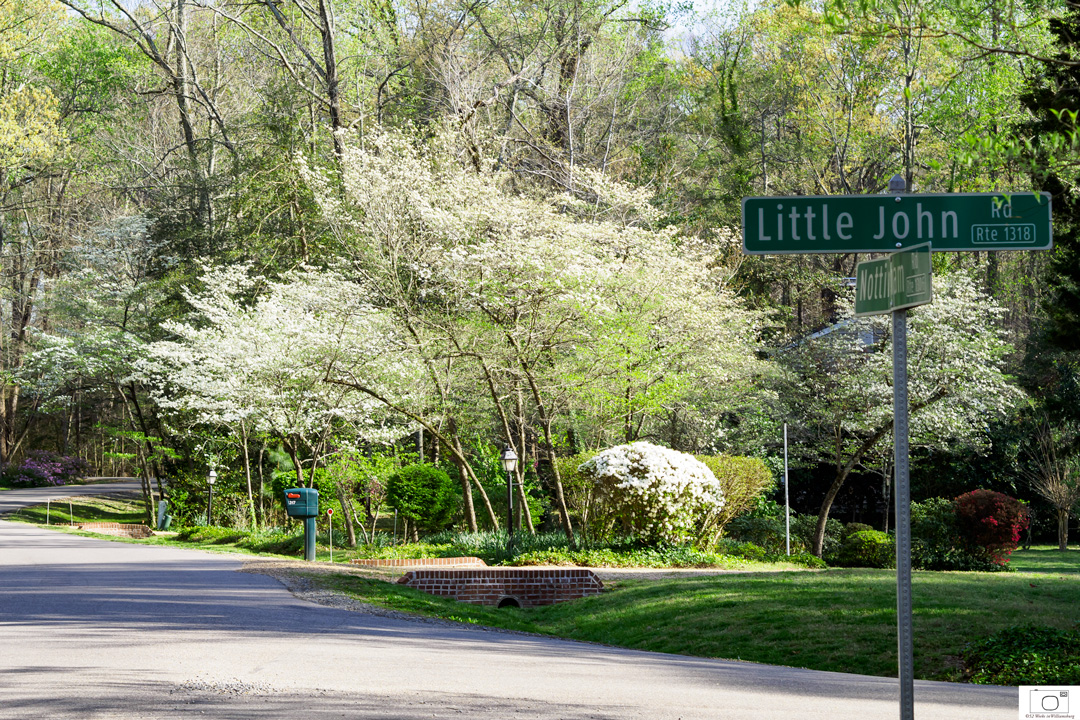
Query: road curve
[(95, 629), (12, 500)]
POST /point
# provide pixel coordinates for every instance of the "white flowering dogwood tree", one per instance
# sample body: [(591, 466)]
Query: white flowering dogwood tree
[(255, 355), (661, 495), (547, 312), (100, 313), (838, 384)]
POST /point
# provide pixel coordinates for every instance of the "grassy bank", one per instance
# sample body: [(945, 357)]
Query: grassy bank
[(82, 509), (840, 620)]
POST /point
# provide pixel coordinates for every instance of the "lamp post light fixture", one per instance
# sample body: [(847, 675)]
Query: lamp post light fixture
[(509, 462), (210, 480)]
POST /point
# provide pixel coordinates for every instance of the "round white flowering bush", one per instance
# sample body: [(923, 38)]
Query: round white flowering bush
[(660, 495)]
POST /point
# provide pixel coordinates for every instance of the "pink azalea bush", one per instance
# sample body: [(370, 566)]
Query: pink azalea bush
[(42, 468)]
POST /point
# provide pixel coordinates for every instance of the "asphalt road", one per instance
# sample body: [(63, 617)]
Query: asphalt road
[(97, 629)]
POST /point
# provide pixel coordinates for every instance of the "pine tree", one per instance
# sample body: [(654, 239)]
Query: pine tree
[(1054, 101)]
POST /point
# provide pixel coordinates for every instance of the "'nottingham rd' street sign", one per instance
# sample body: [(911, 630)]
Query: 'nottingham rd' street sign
[(901, 280), (886, 223)]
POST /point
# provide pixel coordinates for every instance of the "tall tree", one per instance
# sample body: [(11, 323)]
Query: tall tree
[(838, 382), (31, 141), (1054, 101), (164, 35)]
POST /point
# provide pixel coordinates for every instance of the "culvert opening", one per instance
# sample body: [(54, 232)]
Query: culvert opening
[(509, 602)]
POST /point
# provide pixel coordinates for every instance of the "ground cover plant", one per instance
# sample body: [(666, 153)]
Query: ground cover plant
[(1027, 654), (550, 548)]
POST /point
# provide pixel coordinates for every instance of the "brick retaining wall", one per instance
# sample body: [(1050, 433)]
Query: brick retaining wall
[(111, 528), (420, 562), (525, 587)]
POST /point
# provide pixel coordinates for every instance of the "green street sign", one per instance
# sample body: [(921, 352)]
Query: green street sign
[(899, 281), (886, 223)]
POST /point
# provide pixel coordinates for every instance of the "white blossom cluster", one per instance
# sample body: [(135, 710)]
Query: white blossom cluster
[(657, 493), (269, 364)]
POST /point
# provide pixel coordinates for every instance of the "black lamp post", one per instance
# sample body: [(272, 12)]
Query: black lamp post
[(509, 462), (210, 480)]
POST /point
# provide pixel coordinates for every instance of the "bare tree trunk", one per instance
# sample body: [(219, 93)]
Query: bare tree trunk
[(842, 472), (466, 486), (333, 94), (1063, 529), (262, 509), (523, 501), (347, 512), (247, 474), (549, 442), (291, 446)]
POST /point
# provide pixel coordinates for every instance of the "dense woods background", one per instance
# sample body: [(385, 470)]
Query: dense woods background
[(267, 236)]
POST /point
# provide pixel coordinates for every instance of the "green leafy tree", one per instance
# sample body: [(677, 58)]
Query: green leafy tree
[(424, 496), (1054, 101)]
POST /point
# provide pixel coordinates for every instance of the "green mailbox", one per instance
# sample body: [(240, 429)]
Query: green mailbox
[(302, 502)]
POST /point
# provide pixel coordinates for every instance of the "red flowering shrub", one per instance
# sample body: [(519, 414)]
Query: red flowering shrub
[(991, 521)]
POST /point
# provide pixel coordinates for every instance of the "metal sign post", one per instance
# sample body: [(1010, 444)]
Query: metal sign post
[(904, 634), (905, 645), (330, 530), (787, 499)]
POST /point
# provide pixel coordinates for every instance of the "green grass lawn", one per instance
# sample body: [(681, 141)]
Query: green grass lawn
[(1046, 559), (840, 620)]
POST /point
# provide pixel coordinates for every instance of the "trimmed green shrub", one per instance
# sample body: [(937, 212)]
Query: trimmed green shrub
[(1025, 655), (767, 530), (803, 527), (852, 528), (424, 495), (742, 480), (867, 548), (745, 550), (807, 559)]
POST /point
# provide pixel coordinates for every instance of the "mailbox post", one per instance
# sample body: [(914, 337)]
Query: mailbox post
[(303, 504)]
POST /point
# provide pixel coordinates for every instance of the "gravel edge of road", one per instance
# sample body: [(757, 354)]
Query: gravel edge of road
[(295, 575)]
